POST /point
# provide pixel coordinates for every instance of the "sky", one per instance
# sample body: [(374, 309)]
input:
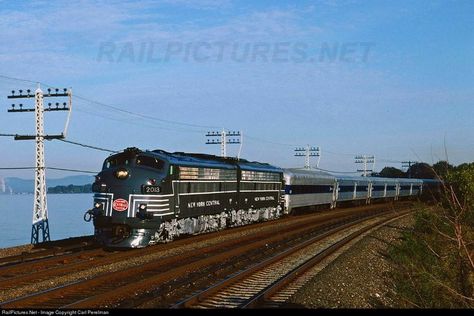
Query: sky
[(384, 78)]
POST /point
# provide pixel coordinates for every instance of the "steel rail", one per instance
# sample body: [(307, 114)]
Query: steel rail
[(285, 280), (237, 277), (108, 278)]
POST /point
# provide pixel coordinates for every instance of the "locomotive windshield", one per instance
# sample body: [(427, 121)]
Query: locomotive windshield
[(126, 159), (150, 162), (118, 160)]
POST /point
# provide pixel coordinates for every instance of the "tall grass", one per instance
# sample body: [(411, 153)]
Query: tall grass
[(434, 261)]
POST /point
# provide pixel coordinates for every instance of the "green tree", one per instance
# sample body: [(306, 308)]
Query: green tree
[(421, 171), (443, 168), (391, 172)]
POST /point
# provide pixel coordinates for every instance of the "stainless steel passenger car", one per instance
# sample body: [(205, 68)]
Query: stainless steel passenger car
[(383, 188), (352, 189), (409, 187), (305, 188)]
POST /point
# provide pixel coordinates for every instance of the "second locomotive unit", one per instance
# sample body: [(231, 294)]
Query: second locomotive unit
[(142, 197)]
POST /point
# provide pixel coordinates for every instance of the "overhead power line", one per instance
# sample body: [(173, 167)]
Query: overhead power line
[(72, 170), (21, 80), (49, 168), (114, 107), (142, 115), (153, 118), (88, 146), (71, 142)]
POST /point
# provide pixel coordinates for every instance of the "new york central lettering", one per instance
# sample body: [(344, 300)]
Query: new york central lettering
[(203, 203)]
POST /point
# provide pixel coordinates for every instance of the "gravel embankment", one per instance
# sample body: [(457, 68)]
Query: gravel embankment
[(14, 251), (358, 278)]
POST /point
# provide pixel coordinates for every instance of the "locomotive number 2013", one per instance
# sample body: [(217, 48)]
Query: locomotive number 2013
[(151, 189)]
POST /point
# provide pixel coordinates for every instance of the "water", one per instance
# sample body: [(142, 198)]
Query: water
[(65, 213)]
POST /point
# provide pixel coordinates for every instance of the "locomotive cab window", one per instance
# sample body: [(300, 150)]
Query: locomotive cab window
[(115, 161), (150, 162)]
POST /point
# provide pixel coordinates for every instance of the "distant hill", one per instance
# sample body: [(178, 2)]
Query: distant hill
[(87, 188), (18, 185)]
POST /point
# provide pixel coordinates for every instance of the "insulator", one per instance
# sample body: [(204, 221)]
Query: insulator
[(13, 105), (13, 92), (56, 90), (49, 90), (21, 105), (57, 104), (65, 90), (21, 91), (28, 91)]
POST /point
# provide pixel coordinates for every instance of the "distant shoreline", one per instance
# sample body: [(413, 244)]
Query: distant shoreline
[(49, 193)]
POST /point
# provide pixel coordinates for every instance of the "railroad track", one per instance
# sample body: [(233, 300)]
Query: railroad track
[(174, 277), (270, 283), (22, 274), (50, 249)]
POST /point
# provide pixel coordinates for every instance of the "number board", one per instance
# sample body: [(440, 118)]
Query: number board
[(150, 189)]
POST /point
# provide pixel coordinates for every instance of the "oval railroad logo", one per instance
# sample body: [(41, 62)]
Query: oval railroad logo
[(120, 205)]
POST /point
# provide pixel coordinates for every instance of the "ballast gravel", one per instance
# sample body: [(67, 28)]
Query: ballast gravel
[(358, 278)]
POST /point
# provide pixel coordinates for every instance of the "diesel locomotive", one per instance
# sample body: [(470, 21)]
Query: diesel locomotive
[(143, 197)]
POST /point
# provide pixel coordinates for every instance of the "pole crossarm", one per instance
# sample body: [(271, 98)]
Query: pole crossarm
[(408, 164), (365, 160), (30, 137), (307, 152), (222, 139)]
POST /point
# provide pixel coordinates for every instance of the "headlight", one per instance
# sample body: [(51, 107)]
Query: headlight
[(98, 205), (121, 173)]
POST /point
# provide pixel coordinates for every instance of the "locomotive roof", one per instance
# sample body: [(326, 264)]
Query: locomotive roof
[(211, 161)]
